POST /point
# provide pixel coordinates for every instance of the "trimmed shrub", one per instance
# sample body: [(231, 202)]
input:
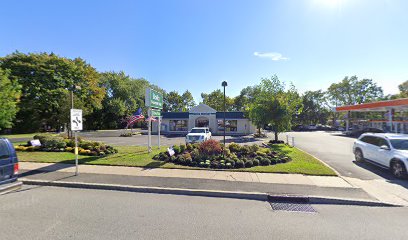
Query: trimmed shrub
[(249, 164), (253, 148), (265, 162), (255, 162), (245, 150), (210, 147), (228, 165), (260, 153), (276, 142), (180, 159), (182, 148), (187, 156), (69, 149), (188, 161), (266, 150), (189, 147), (231, 162), (234, 147), (176, 149), (239, 164)]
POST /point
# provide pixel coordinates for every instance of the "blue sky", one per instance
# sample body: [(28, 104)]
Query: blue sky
[(196, 44)]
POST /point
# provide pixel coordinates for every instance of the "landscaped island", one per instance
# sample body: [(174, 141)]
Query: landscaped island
[(210, 154), (279, 158)]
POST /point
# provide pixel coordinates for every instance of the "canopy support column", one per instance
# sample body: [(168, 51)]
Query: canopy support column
[(348, 121), (390, 119)]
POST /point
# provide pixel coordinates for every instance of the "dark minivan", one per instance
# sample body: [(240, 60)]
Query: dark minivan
[(8, 165)]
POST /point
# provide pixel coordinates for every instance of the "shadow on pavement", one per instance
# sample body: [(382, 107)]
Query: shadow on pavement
[(384, 173)]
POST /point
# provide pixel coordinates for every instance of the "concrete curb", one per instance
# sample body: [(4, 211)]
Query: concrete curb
[(159, 190), (10, 187), (210, 193)]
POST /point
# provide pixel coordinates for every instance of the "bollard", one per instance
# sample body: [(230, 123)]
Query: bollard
[(287, 139), (293, 141)]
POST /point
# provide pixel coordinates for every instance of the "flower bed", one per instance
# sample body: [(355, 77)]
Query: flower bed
[(209, 154), (52, 143)]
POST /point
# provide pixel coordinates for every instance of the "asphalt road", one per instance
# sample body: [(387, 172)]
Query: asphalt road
[(336, 150), (63, 213)]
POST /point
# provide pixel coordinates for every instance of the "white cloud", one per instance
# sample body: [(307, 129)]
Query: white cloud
[(274, 56)]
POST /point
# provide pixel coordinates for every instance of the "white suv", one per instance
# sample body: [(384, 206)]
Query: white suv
[(385, 150), (198, 134)]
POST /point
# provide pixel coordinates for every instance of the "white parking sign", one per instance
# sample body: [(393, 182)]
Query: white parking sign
[(76, 119)]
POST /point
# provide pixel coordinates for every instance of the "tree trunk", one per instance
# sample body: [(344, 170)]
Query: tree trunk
[(259, 131), (276, 136)]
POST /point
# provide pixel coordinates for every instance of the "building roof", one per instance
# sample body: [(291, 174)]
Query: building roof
[(219, 115), (230, 115), (175, 115), (397, 104), (202, 108)]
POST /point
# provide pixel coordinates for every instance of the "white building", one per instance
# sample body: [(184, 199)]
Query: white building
[(204, 116)]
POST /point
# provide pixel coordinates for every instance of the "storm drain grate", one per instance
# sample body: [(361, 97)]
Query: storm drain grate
[(290, 203), (292, 207)]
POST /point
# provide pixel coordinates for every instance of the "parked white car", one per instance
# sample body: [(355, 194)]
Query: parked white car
[(198, 134), (386, 150)]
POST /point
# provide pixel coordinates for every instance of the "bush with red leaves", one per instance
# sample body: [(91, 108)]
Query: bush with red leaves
[(210, 147)]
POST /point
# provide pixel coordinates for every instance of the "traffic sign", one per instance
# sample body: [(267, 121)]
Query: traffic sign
[(155, 113), (76, 119), (153, 99)]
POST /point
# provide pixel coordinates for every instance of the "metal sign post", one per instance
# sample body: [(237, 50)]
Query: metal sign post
[(158, 131), (153, 100), (76, 125), (149, 140)]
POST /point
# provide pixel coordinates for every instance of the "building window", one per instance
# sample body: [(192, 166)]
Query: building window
[(178, 125), (230, 126)]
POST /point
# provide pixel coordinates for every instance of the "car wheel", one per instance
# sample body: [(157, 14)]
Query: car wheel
[(359, 155), (398, 169)]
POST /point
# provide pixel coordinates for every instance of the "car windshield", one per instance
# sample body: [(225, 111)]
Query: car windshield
[(197, 130), (401, 144)]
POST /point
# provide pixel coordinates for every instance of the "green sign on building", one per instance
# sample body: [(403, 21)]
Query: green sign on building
[(153, 99)]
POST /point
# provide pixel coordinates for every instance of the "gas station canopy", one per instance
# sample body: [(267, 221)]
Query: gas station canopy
[(381, 106)]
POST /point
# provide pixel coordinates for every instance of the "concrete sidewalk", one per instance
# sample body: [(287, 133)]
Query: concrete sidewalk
[(207, 181), (274, 178)]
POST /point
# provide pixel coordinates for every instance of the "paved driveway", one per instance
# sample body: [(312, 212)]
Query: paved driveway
[(112, 137), (336, 150)]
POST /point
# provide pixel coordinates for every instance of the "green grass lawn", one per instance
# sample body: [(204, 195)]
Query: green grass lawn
[(22, 135), (137, 156), (301, 163)]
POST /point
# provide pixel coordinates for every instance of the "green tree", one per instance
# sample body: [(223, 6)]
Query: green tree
[(315, 108), (351, 91), (274, 105), (174, 102), (188, 100), (403, 88), (215, 99), (245, 97), (124, 95), (9, 96), (46, 81)]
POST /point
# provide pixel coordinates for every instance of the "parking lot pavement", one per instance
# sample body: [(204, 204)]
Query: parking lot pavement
[(337, 151), (112, 137)]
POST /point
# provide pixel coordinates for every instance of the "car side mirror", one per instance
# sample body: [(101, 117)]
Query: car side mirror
[(385, 147)]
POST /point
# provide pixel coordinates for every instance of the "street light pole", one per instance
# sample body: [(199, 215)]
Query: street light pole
[(224, 84)]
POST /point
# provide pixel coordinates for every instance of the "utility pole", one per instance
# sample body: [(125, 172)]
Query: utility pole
[(224, 84)]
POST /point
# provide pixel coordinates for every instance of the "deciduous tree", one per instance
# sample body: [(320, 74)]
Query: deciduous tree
[(9, 96)]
